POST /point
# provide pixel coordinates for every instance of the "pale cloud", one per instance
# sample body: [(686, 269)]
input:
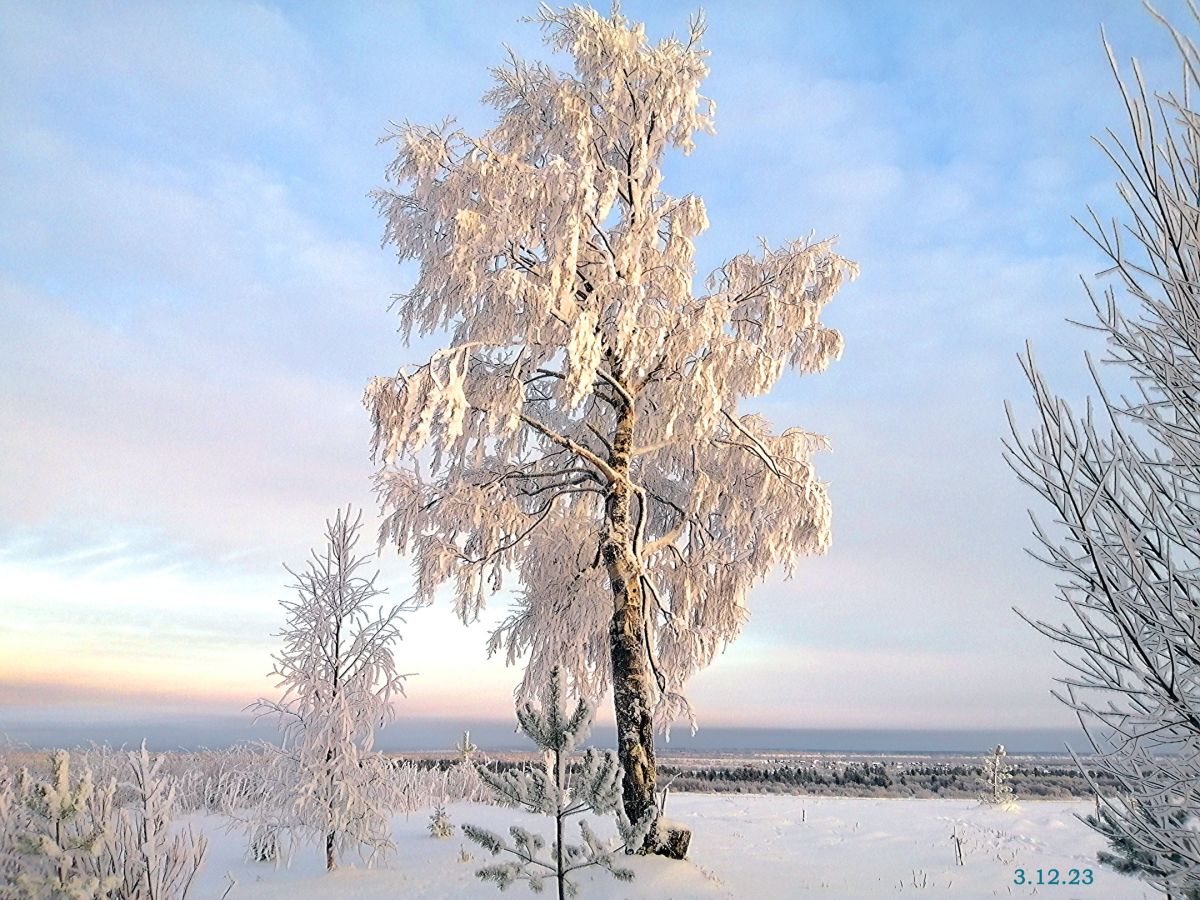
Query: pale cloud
[(915, 688), (241, 64), (219, 450), (130, 622)]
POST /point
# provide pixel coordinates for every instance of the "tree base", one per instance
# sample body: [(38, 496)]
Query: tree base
[(670, 840)]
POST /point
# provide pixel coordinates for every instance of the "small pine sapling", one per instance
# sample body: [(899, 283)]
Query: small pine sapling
[(996, 775), (465, 748), (60, 844), (263, 842), (595, 787), (462, 780), (440, 825), (1128, 857), (77, 842), (9, 817)]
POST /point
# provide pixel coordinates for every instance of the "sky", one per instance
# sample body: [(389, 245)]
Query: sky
[(193, 296)]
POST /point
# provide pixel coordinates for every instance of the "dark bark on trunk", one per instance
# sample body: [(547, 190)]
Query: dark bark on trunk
[(632, 691), (632, 698), (558, 826), (331, 835)]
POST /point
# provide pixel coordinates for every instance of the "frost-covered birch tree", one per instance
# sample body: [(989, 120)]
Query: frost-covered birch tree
[(339, 679), (1122, 483), (579, 437)]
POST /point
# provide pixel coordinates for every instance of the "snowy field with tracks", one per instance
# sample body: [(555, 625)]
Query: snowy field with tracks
[(745, 846)]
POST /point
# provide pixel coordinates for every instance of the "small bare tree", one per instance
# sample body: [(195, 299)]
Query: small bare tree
[(1123, 482), (339, 679)]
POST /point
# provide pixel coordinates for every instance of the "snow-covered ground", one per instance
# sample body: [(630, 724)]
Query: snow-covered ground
[(745, 846)]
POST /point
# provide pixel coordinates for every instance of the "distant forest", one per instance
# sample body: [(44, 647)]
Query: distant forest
[(922, 778)]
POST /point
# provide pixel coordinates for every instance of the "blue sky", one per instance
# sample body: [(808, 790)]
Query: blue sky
[(192, 297)]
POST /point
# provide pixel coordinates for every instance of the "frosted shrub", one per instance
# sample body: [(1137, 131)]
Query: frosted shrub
[(1120, 483), (550, 790), (219, 780), (154, 863)]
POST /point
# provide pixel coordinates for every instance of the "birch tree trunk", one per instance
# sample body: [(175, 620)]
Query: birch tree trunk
[(633, 696)]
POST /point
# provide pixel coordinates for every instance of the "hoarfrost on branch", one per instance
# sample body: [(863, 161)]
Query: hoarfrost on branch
[(1122, 482)]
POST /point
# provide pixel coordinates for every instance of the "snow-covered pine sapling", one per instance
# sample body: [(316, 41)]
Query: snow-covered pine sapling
[(462, 780), (583, 430), (59, 843), (9, 813), (1129, 857), (263, 839), (439, 823), (996, 775), (79, 842), (339, 679), (465, 748), (595, 787)]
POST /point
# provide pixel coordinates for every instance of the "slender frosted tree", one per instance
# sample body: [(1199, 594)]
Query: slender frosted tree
[(339, 679), (579, 437), (1122, 484)]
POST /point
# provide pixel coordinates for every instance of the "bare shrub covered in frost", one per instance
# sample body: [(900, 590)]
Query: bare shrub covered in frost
[(71, 836), (581, 432), (593, 788), (219, 781), (339, 678), (1122, 482), (416, 787)]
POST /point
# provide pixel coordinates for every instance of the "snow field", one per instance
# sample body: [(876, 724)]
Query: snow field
[(744, 847)]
